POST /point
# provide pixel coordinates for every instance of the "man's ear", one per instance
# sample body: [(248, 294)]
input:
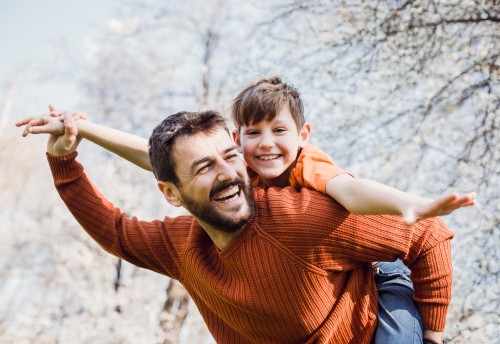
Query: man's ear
[(304, 135), (171, 193)]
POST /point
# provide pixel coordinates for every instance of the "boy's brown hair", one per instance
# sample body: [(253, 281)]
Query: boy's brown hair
[(264, 99)]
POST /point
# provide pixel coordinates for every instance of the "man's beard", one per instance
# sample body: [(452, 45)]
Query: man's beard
[(207, 213)]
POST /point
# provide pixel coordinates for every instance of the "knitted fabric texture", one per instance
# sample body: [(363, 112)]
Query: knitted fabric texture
[(300, 272)]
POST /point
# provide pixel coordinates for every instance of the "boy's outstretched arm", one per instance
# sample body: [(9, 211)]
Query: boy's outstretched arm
[(366, 197), (130, 147)]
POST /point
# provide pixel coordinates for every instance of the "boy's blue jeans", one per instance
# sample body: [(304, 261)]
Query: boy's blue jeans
[(399, 320)]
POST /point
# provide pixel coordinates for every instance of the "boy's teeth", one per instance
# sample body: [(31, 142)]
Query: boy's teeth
[(269, 157)]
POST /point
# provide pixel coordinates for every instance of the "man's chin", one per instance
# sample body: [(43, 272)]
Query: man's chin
[(225, 217)]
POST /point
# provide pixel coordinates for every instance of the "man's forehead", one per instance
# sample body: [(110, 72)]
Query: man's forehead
[(191, 148)]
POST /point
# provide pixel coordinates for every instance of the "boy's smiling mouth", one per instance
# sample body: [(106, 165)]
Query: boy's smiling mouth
[(268, 157)]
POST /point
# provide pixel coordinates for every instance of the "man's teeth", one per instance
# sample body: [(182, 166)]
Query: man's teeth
[(227, 194), (269, 157)]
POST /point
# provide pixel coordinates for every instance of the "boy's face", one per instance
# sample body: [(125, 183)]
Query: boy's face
[(270, 148)]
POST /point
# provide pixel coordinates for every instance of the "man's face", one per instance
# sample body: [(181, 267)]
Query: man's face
[(213, 183), (270, 147)]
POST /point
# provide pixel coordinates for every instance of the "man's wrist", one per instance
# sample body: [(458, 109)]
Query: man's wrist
[(433, 337), (430, 341)]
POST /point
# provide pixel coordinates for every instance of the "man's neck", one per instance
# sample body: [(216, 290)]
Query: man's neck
[(220, 238)]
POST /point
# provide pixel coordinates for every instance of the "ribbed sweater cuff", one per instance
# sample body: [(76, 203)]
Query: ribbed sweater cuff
[(433, 316), (64, 168)]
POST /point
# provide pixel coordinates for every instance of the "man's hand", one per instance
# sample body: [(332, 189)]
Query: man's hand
[(433, 336), (68, 142), (63, 138), (443, 206)]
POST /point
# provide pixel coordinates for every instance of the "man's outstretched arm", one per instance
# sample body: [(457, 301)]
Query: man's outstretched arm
[(128, 238)]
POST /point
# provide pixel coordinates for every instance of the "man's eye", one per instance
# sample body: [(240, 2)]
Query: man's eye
[(203, 169), (231, 157)]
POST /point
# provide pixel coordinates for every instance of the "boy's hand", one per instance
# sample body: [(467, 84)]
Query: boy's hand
[(48, 124), (44, 124), (443, 206)]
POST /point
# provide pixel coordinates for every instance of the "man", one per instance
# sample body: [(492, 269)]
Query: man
[(268, 266)]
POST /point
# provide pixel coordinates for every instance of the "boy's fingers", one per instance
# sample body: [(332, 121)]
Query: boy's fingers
[(447, 200), (24, 121), (448, 204), (39, 129)]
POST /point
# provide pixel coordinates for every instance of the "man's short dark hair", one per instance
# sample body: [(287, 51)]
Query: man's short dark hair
[(177, 125)]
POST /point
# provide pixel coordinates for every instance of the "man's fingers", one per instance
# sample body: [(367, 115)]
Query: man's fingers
[(52, 111), (70, 131)]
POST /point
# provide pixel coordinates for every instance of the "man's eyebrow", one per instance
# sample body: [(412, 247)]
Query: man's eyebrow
[(227, 150), (208, 158)]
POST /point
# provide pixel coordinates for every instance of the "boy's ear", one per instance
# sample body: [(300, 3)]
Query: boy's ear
[(171, 193), (236, 137), (304, 135)]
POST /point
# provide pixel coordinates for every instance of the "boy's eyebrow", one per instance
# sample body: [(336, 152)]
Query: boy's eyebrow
[(208, 158)]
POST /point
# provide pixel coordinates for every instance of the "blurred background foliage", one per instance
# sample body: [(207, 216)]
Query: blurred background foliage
[(403, 92)]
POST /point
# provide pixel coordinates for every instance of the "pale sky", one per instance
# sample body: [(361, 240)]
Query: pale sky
[(33, 32)]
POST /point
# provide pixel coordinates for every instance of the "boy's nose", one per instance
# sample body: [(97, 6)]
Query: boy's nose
[(266, 142)]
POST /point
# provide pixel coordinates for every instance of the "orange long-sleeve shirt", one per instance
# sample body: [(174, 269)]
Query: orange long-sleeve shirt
[(300, 272)]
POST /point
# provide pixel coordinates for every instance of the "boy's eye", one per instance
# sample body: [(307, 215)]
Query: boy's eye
[(280, 130), (252, 132)]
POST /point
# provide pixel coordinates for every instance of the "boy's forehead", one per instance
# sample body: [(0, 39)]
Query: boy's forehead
[(282, 116)]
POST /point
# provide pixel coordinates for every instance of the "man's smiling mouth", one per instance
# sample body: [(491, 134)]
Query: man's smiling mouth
[(227, 194)]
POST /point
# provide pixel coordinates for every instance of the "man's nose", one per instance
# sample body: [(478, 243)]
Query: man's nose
[(226, 172)]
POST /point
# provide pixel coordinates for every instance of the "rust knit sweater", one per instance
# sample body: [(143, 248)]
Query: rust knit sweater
[(299, 272)]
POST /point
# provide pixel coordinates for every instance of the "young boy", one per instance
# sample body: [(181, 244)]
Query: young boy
[(273, 135), (271, 129)]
